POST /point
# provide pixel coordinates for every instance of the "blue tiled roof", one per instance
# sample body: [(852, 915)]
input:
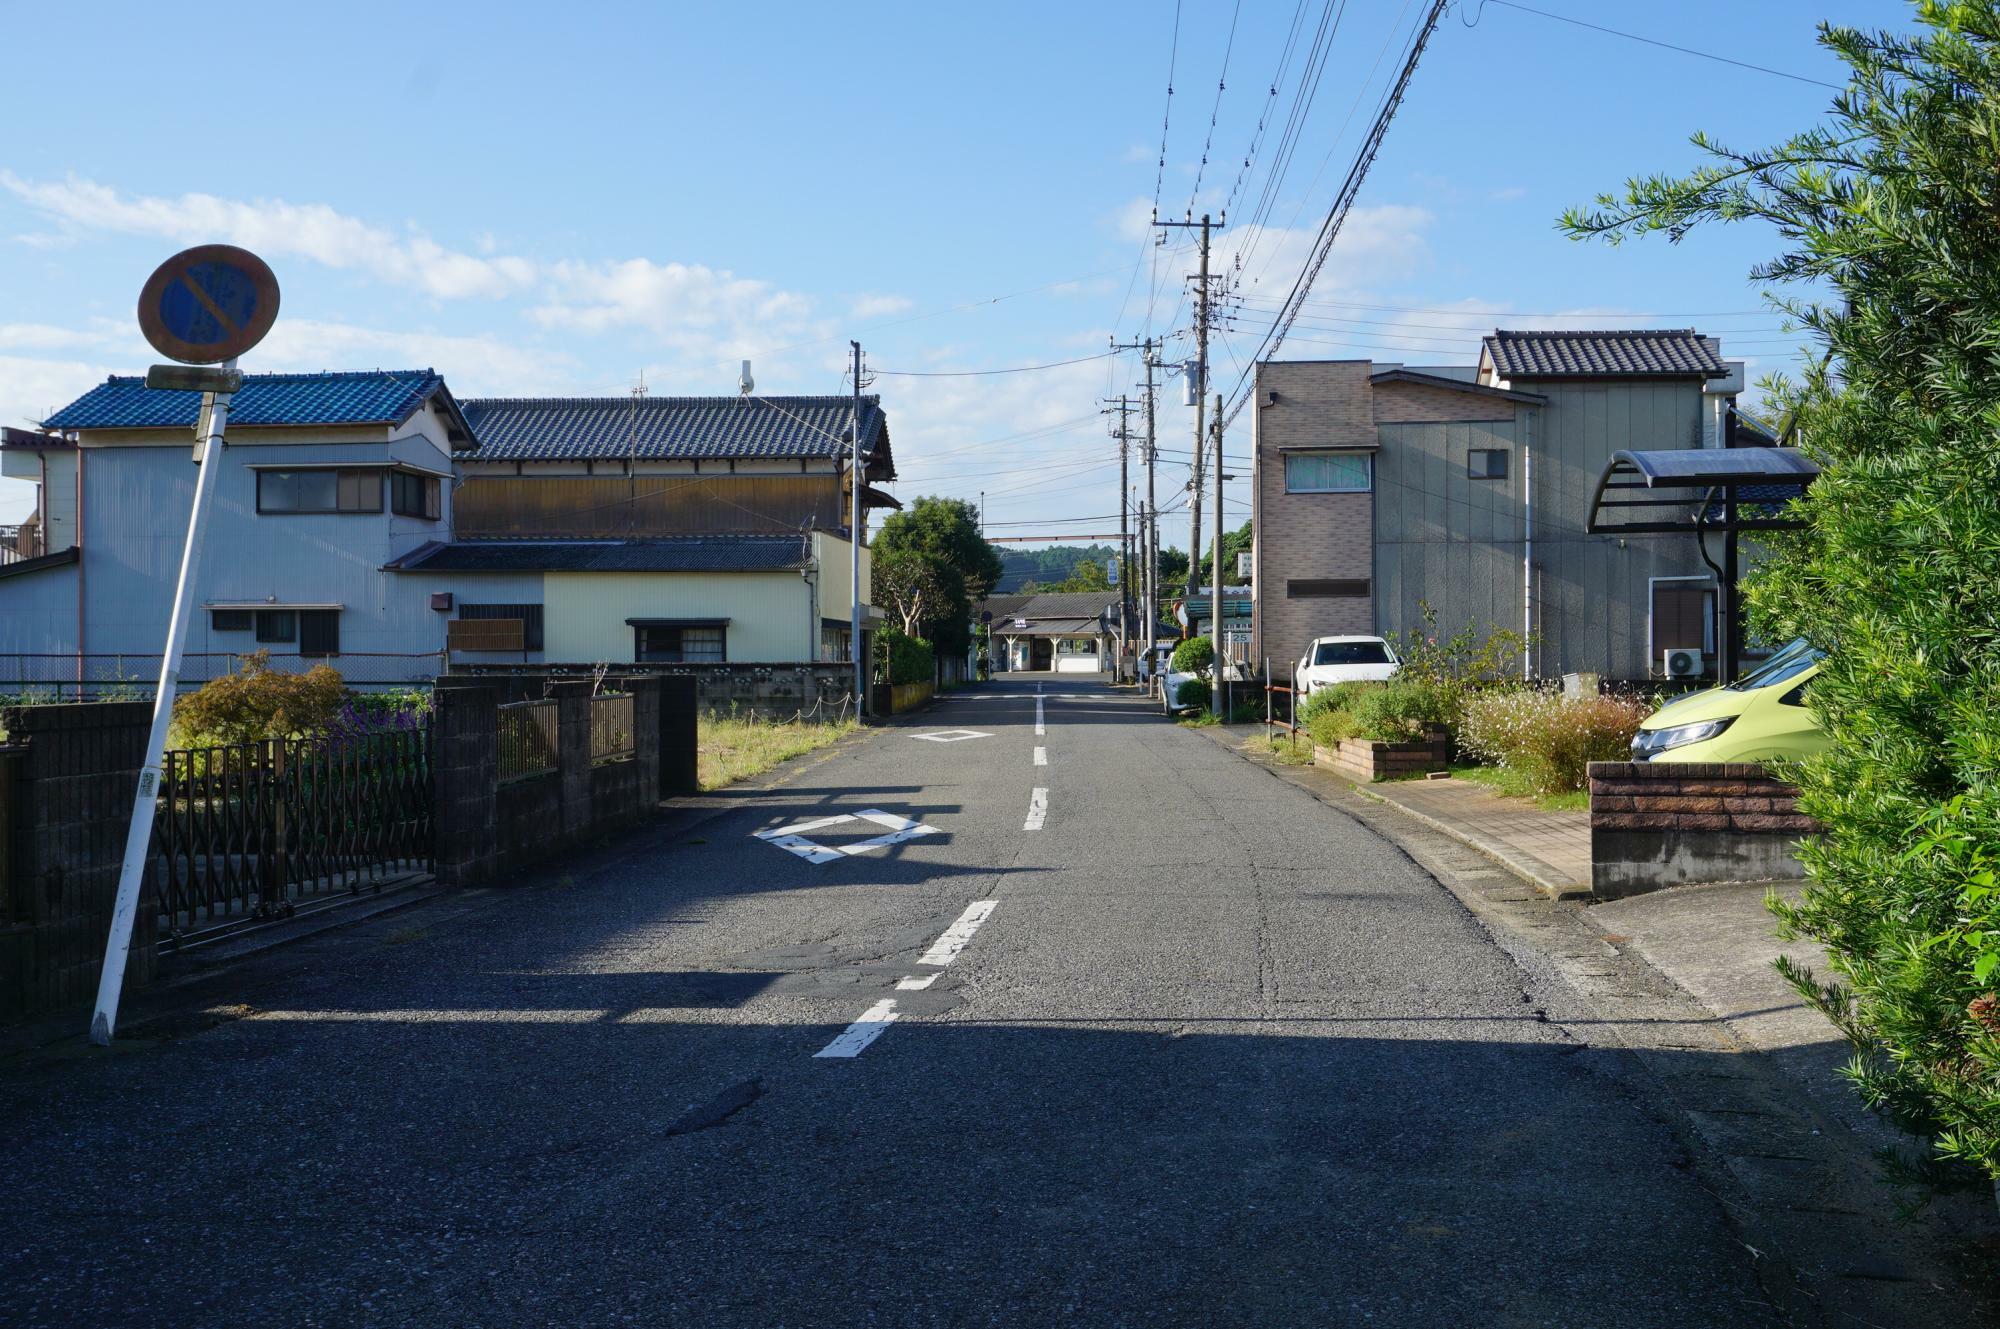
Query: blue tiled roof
[(378, 396), (701, 553), (675, 428)]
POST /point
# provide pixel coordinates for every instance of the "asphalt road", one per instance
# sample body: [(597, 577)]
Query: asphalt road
[(1209, 1053)]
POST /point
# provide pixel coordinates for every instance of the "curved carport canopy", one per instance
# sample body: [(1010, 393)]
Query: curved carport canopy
[(1692, 491), (1679, 491)]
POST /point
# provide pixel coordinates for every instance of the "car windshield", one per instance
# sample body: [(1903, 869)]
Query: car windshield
[(1350, 653), (1790, 661)]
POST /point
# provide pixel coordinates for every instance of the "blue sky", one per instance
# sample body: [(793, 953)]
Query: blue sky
[(544, 201)]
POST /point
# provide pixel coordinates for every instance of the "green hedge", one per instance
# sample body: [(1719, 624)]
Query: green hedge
[(907, 659)]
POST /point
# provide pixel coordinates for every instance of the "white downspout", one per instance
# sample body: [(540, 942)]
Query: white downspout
[(1528, 546)]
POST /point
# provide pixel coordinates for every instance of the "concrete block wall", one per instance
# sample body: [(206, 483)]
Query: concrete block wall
[(67, 776), (771, 691), (485, 829), (1659, 824)]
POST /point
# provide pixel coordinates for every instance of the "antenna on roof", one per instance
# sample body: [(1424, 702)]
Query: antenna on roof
[(632, 453), (744, 383)]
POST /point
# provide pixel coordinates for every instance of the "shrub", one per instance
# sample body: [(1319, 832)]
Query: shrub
[(907, 659), (1338, 697), (1192, 692), (395, 711), (1329, 725), (1403, 710), (1548, 739), (1194, 656), (258, 701)]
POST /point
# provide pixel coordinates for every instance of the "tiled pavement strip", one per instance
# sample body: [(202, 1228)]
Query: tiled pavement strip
[(1550, 849)]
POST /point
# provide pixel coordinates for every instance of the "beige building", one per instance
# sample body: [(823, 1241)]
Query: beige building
[(1380, 488)]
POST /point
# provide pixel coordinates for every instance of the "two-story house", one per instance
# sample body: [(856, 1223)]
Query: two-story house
[(711, 531), (1381, 488)]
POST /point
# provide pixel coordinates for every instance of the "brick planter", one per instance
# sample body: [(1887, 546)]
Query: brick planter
[(1367, 760), (1659, 824)]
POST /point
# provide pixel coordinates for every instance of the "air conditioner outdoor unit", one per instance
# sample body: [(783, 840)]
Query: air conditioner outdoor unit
[(1682, 663)]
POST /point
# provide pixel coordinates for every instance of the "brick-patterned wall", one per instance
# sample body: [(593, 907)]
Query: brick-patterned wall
[(67, 780), (1404, 403), (1694, 796), (1658, 824), (1299, 536), (1368, 761)]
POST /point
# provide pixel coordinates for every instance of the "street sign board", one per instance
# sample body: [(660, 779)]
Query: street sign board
[(208, 304)]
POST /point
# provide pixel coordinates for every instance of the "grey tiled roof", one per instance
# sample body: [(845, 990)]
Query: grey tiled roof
[(702, 553), (1055, 604), (676, 428), (1653, 352)]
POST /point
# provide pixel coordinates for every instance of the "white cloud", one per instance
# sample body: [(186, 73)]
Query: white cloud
[(473, 366), (881, 306), (275, 227), (688, 307)]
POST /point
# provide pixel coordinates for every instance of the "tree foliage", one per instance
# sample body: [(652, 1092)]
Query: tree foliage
[(944, 533), (907, 583), (1087, 576), (257, 702), (1888, 210)]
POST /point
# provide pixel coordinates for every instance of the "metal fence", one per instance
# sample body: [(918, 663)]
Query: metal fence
[(528, 739), (36, 679), (250, 830), (612, 728)]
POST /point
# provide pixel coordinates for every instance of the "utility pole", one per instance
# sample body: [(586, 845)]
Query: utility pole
[(1199, 391), (1123, 433), (1219, 691), (854, 548), (1149, 525)]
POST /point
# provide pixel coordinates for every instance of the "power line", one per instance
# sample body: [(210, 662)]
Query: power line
[(1650, 41), (1221, 82), (1167, 115), (1343, 202), (982, 373)]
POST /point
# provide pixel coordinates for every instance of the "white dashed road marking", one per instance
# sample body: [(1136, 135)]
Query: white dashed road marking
[(1041, 756), (1041, 726), (1038, 810), (946, 948), (857, 1036), (863, 1031)]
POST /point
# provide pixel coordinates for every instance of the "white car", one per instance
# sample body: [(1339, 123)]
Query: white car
[(1331, 660), (1156, 662)]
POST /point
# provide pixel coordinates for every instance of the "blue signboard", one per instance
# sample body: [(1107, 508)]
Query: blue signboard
[(208, 304)]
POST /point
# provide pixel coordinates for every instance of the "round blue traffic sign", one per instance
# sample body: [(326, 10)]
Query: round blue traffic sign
[(208, 304)]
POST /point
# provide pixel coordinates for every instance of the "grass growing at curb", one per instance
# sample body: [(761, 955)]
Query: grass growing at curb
[(731, 747), (1287, 753), (1512, 784)]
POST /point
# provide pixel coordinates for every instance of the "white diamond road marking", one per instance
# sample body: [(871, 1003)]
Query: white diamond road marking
[(951, 735), (793, 838)]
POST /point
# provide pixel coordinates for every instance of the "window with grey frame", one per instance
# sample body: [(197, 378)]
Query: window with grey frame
[(1329, 472), (327, 490), (1486, 463)]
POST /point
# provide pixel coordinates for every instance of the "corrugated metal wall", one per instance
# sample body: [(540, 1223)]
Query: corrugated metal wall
[(1441, 537), (600, 505), (1592, 595)]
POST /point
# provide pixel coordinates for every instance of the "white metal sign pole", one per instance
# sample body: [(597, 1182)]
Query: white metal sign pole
[(139, 836)]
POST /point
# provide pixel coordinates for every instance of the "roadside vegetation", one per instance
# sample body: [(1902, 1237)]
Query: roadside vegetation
[(258, 702), (731, 747), (1890, 259)]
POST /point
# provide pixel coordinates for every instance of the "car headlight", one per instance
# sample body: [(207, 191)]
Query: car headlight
[(1649, 743)]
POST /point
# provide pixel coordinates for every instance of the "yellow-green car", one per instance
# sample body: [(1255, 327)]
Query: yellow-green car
[(1760, 716)]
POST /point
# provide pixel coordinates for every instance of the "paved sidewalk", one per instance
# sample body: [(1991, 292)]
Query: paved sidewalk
[(1550, 849)]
